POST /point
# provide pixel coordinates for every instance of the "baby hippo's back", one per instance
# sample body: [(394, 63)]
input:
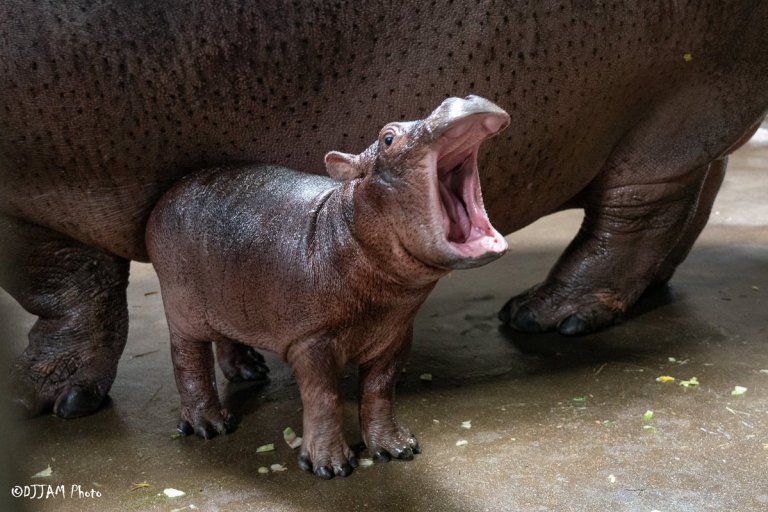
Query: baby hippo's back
[(221, 233)]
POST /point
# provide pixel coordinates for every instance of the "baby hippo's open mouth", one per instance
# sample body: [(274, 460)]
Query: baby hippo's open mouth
[(468, 232)]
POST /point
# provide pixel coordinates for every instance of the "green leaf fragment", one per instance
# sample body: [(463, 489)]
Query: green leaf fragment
[(693, 382), (266, 448), (648, 416)]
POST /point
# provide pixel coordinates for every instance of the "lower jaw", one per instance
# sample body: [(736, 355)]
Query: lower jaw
[(476, 253), (467, 263)]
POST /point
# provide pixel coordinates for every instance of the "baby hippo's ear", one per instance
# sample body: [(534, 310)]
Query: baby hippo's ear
[(342, 166)]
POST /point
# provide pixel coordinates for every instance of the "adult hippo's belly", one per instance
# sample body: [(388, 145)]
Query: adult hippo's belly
[(626, 109)]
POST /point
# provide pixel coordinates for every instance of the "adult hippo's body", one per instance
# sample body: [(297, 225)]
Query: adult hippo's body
[(626, 109)]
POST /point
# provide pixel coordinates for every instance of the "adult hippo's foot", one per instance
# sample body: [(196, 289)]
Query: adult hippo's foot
[(78, 293), (547, 307), (240, 362)]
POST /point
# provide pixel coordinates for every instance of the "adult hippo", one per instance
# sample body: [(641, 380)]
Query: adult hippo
[(626, 109)]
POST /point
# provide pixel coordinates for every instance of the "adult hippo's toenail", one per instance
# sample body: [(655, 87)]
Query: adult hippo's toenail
[(573, 326), (77, 402), (525, 320)]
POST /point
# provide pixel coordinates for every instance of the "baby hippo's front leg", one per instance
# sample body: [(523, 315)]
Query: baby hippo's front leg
[(383, 435), (324, 450), (201, 411)]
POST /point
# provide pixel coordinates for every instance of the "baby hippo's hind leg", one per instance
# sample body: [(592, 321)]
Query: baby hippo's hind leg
[(240, 362), (201, 411)]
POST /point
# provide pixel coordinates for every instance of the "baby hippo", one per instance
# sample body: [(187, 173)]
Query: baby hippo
[(324, 271)]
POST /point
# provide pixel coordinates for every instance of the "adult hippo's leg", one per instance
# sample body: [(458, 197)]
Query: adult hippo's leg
[(642, 214), (78, 293), (712, 184)]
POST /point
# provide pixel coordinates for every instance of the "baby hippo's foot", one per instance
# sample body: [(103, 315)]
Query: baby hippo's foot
[(207, 423), (327, 459), (240, 362), (547, 307), (395, 441)]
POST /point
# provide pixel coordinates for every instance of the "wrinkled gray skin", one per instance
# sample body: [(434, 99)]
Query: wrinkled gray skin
[(103, 106), (324, 273)]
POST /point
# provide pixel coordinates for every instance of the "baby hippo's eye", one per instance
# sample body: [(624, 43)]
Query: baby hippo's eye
[(389, 138)]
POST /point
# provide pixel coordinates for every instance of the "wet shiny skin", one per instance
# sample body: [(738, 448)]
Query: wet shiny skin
[(318, 271)]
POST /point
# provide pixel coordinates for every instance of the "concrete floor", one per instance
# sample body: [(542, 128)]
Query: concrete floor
[(556, 423)]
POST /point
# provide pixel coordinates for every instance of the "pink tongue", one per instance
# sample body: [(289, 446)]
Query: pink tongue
[(456, 221)]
